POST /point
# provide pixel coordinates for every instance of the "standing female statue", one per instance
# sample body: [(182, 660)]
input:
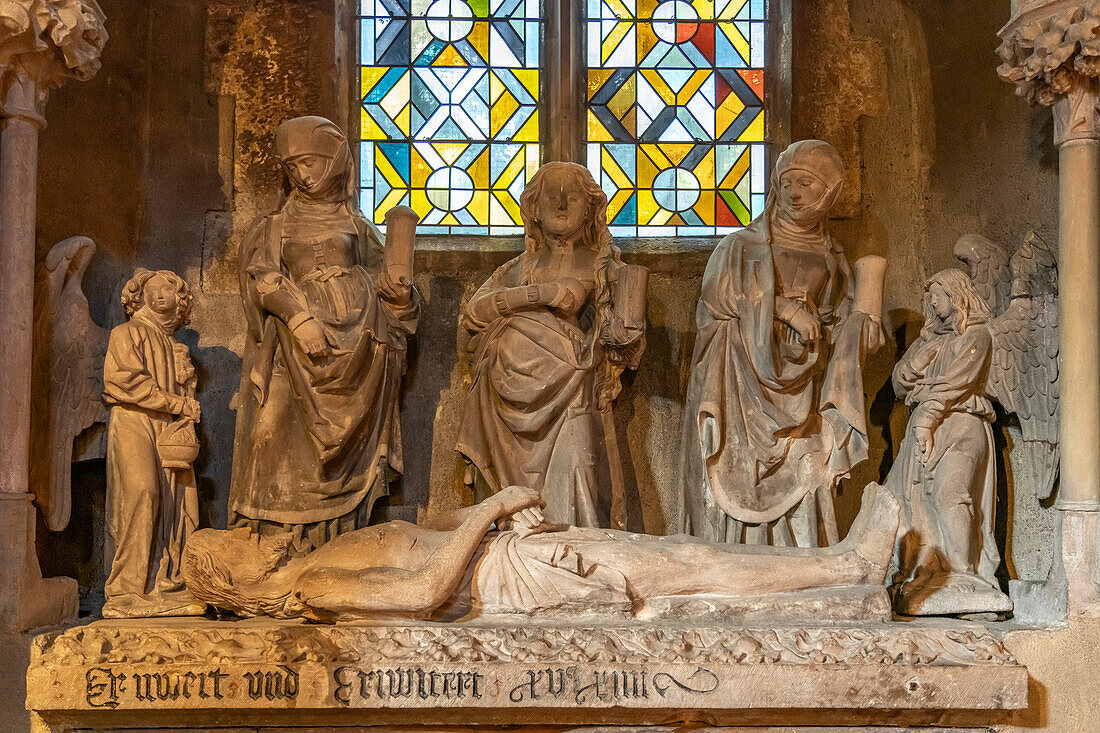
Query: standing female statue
[(775, 413), (317, 424), (552, 331)]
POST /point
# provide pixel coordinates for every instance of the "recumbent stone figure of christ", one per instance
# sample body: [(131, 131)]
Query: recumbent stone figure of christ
[(329, 311), (457, 569)]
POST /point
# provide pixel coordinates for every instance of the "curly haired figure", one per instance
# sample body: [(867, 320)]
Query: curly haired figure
[(152, 508), (548, 348), (944, 476)]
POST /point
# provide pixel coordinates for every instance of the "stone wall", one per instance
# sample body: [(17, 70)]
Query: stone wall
[(165, 158)]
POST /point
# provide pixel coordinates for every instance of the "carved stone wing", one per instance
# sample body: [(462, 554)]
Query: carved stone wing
[(1024, 379), (69, 353), (987, 263)]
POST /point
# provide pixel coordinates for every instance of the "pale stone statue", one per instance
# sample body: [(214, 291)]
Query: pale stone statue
[(552, 331), (988, 266), (68, 378), (453, 571), (152, 503), (775, 412), (944, 475), (1024, 379), (329, 312)]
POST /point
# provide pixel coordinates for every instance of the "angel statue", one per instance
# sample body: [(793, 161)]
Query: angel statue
[(945, 475), (1023, 379), (68, 374)]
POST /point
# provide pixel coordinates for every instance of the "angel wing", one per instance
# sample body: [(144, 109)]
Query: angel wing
[(1024, 375), (987, 263), (69, 353)]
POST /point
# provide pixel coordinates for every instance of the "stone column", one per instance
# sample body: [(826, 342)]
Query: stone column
[(42, 44), (1051, 52)]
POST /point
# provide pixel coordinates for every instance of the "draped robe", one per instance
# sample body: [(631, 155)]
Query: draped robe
[(768, 422), (531, 415), (316, 435), (942, 377), (150, 509)]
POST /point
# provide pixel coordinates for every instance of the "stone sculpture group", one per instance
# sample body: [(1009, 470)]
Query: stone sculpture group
[(775, 418)]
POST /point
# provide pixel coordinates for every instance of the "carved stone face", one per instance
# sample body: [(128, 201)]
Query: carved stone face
[(308, 172), (159, 296), (940, 301), (563, 205), (252, 556), (799, 194)]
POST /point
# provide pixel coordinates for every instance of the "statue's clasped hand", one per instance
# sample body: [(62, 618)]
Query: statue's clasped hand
[(523, 509), (566, 294), (397, 292), (806, 324), (190, 409)]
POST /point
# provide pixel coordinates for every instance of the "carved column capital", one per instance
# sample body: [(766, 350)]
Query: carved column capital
[(43, 43), (1051, 51)]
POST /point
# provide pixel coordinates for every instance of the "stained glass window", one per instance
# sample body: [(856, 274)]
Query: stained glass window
[(676, 113), (449, 110)]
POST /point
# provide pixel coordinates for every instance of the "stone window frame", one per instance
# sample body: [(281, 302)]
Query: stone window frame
[(563, 90)]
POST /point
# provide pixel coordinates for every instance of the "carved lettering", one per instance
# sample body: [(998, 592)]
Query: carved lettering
[(391, 684), (281, 684), (605, 685), (104, 687)]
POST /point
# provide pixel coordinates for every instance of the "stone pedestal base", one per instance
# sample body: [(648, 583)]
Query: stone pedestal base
[(27, 600), (196, 674), (1073, 587), (1081, 557)]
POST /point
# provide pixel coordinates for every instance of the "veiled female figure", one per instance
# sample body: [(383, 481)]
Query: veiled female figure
[(944, 476), (548, 349), (775, 412), (318, 428)]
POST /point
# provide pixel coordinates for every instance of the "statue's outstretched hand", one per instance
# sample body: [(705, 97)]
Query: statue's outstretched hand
[(516, 498)]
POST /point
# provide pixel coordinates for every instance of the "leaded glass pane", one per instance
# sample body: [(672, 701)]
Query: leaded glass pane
[(449, 118), (676, 113)]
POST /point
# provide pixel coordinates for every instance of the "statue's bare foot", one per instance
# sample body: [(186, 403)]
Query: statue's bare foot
[(871, 538)]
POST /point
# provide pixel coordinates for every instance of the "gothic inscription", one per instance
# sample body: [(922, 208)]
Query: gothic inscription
[(120, 687)]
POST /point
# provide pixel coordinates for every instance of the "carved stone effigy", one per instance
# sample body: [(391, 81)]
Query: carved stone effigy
[(274, 672), (152, 503), (775, 414), (551, 333), (328, 311), (945, 473)]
